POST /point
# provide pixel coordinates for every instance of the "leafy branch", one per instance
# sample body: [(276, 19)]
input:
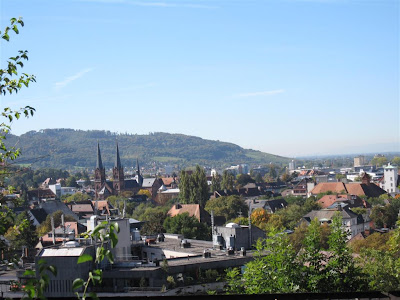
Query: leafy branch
[(34, 287), (8, 82), (107, 233)]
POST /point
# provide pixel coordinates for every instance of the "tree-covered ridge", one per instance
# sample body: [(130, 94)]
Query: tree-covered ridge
[(69, 148)]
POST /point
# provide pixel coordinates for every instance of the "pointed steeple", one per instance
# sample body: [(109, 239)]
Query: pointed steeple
[(118, 159), (139, 177), (137, 167), (99, 164)]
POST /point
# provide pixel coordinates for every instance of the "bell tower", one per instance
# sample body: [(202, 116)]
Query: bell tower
[(118, 174), (99, 173)]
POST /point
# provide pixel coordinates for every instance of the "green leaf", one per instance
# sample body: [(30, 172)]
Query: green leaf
[(116, 227), (78, 283), (6, 37), (110, 256), (93, 295), (114, 239), (53, 270), (84, 258), (29, 273), (98, 228), (15, 28)]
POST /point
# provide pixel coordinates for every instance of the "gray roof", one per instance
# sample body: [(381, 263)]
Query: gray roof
[(328, 214), (52, 206), (39, 214), (148, 182)]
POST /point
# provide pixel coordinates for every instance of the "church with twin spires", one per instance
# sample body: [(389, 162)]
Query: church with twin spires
[(105, 187)]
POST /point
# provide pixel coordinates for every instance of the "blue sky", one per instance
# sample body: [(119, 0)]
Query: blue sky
[(288, 77)]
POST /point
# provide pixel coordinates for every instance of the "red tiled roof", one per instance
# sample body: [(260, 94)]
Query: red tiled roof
[(192, 209), (324, 187)]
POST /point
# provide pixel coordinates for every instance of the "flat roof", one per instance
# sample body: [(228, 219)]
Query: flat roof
[(61, 252)]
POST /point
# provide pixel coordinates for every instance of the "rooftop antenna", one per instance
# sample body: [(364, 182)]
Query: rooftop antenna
[(63, 228), (250, 237), (124, 210), (53, 231), (212, 223), (96, 207)]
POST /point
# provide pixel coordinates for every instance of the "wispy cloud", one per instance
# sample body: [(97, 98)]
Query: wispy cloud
[(257, 94), (154, 3), (69, 79)]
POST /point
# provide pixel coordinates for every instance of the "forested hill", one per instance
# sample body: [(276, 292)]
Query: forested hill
[(68, 148)]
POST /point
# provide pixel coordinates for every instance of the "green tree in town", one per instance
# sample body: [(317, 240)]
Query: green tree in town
[(23, 233), (396, 161), (258, 178), (379, 161), (71, 181), (188, 226), (228, 206), (228, 180), (153, 216), (216, 182), (194, 187), (377, 241), (77, 197), (384, 216), (243, 179), (45, 227)]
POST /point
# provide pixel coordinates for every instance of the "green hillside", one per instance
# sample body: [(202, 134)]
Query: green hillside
[(68, 149)]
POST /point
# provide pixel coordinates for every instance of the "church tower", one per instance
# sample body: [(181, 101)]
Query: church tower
[(99, 173), (139, 177), (118, 174)]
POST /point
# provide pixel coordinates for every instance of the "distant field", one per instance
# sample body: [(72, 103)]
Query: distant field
[(167, 159)]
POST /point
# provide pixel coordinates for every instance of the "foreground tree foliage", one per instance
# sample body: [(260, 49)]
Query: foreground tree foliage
[(279, 268), (12, 81), (382, 267), (273, 270)]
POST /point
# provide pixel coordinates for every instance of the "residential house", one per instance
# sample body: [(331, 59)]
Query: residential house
[(365, 188), (38, 215), (351, 200), (352, 223), (164, 194), (271, 206), (194, 210)]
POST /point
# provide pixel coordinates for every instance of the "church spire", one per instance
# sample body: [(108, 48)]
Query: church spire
[(118, 159), (99, 164), (137, 167)]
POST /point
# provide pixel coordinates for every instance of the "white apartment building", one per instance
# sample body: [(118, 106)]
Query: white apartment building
[(390, 179)]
